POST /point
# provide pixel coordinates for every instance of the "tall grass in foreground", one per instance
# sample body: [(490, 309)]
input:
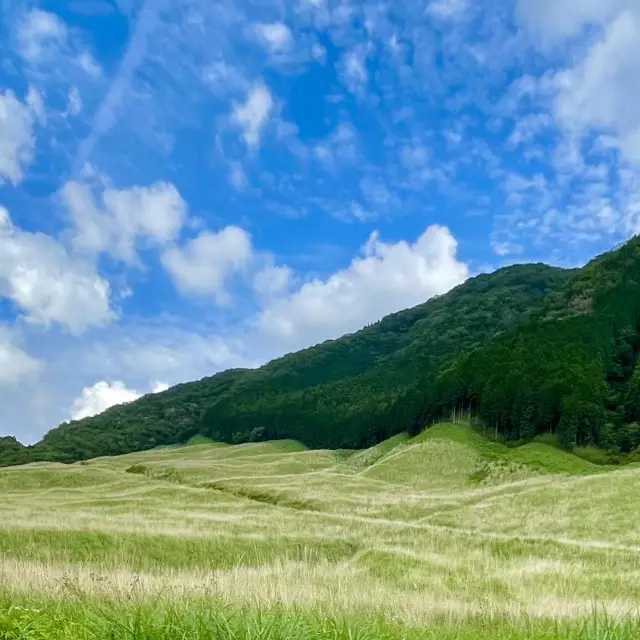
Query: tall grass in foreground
[(84, 619), (447, 536)]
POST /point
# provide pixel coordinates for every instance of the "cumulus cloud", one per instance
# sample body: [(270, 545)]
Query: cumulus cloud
[(203, 265), (145, 354), (17, 141), (591, 102), (387, 277), (158, 386), (47, 284), (252, 116), (154, 213), (99, 397), (102, 395)]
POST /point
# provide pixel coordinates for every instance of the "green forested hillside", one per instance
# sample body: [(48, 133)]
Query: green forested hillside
[(572, 367), (375, 395), (157, 419), (529, 349), (343, 393)]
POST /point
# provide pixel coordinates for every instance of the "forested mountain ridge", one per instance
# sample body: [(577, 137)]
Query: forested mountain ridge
[(572, 367), (528, 349), (377, 400), (342, 393)]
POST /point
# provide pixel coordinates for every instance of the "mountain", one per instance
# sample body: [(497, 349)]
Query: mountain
[(348, 393), (571, 368), (10, 449), (360, 389)]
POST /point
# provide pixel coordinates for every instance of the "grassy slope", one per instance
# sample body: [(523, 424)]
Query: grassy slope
[(440, 536)]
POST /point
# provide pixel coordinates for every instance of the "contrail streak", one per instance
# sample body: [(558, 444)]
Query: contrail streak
[(134, 56)]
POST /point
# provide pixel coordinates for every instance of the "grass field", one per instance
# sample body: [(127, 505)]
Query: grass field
[(447, 535)]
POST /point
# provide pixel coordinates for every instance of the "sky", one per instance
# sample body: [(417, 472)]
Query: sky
[(188, 186)]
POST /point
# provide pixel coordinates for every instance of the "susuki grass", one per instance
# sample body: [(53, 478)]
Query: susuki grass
[(84, 619), (447, 535)]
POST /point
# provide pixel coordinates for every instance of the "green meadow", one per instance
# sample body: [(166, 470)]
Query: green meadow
[(446, 535)]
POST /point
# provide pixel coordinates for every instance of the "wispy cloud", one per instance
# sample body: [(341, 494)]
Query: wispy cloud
[(17, 143), (109, 109), (252, 116)]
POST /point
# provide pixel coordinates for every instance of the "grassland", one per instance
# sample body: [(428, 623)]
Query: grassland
[(447, 535)]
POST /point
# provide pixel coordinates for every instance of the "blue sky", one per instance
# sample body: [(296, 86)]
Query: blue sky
[(188, 186)]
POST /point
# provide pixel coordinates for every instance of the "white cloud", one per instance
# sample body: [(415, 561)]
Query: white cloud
[(99, 397), (40, 34), (272, 280), (252, 116), (385, 279), (155, 213), (203, 265), (275, 36), (17, 141), (49, 286), (158, 386), (15, 364), (35, 103), (146, 355), (102, 395), (48, 45), (603, 91)]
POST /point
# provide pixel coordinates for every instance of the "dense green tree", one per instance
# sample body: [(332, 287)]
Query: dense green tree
[(632, 398)]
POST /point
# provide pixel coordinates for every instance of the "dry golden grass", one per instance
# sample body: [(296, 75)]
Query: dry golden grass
[(441, 525)]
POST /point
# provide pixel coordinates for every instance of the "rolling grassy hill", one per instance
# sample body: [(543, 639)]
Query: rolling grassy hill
[(443, 535)]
